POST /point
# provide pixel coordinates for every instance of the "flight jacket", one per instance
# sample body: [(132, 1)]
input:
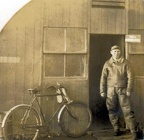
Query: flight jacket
[(116, 74)]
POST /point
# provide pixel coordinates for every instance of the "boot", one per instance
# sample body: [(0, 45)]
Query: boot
[(134, 136), (116, 132)]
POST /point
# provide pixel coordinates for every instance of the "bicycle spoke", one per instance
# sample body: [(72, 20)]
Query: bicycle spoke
[(16, 122), (75, 119)]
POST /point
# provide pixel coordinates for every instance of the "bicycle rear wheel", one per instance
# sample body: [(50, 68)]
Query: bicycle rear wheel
[(12, 127), (75, 119)]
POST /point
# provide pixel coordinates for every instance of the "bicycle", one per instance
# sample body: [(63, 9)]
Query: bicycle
[(25, 122)]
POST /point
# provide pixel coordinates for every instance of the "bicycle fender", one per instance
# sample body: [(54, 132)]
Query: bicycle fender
[(3, 121), (62, 108)]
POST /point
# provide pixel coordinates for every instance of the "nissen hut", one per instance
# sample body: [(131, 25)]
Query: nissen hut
[(68, 41)]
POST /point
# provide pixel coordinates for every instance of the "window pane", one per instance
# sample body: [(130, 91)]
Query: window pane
[(76, 40), (54, 65), (74, 65), (54, 39)]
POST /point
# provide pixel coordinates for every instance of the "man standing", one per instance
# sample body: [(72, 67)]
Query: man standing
[(116, 85)]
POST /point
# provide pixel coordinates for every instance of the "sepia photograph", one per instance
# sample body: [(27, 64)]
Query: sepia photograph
[(71, 69)]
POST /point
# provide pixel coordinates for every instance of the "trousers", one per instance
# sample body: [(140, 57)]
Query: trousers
[(116, 99)]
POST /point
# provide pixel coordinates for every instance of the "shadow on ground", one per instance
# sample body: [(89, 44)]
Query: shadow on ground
[(99, 130)]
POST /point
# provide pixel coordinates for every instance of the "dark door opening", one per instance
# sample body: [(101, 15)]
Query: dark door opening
[(100, 52)]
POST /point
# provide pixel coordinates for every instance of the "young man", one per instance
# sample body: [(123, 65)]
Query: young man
[(116, 85)]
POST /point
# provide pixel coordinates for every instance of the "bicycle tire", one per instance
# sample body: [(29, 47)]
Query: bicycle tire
[(75, 119), (13, 130)]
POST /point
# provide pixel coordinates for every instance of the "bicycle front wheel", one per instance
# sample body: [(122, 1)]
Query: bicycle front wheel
[(16, 121), (75, 119)]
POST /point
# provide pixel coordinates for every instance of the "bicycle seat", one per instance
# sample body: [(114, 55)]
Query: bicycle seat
[(33, 91)]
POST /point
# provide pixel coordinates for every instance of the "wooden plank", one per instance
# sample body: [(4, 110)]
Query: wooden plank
[(10, 77), (19, 25), (131, 15), (28, 61), (68, 13), (141, 7), (89, 16), (54, 13), (3, 87), (136, 14), (3, 72), (108, 4), (108, 21), (38, 38), (138, 63), (58, 13), (119, 1), (138, 99), (95, 24), (29, 50), (78, 13), (104, 20), (20, 36), (111, 22), (120, 21), (48, 13)]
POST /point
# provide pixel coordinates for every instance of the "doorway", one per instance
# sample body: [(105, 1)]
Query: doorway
[(100, 52)]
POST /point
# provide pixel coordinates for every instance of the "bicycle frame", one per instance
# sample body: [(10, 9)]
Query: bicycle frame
[(30, 117), (65, 102)]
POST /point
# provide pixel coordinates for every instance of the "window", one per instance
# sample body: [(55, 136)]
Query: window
[(65, 52)]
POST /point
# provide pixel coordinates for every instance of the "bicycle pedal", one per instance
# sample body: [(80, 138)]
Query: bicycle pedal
[(43, 135), (50, 136), (90, 133)]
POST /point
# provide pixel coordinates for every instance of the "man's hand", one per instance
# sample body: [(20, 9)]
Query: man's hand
[(128, 94), (103, 94)]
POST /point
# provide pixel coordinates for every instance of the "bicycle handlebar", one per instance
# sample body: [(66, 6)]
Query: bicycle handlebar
[(60, 90)]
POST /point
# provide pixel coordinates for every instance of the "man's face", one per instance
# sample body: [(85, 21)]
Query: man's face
[(116, 54)]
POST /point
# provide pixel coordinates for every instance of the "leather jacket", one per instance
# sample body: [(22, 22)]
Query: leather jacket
[(116, 74)]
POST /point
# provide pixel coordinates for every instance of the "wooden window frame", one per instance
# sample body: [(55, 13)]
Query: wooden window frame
[(65, 53)]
